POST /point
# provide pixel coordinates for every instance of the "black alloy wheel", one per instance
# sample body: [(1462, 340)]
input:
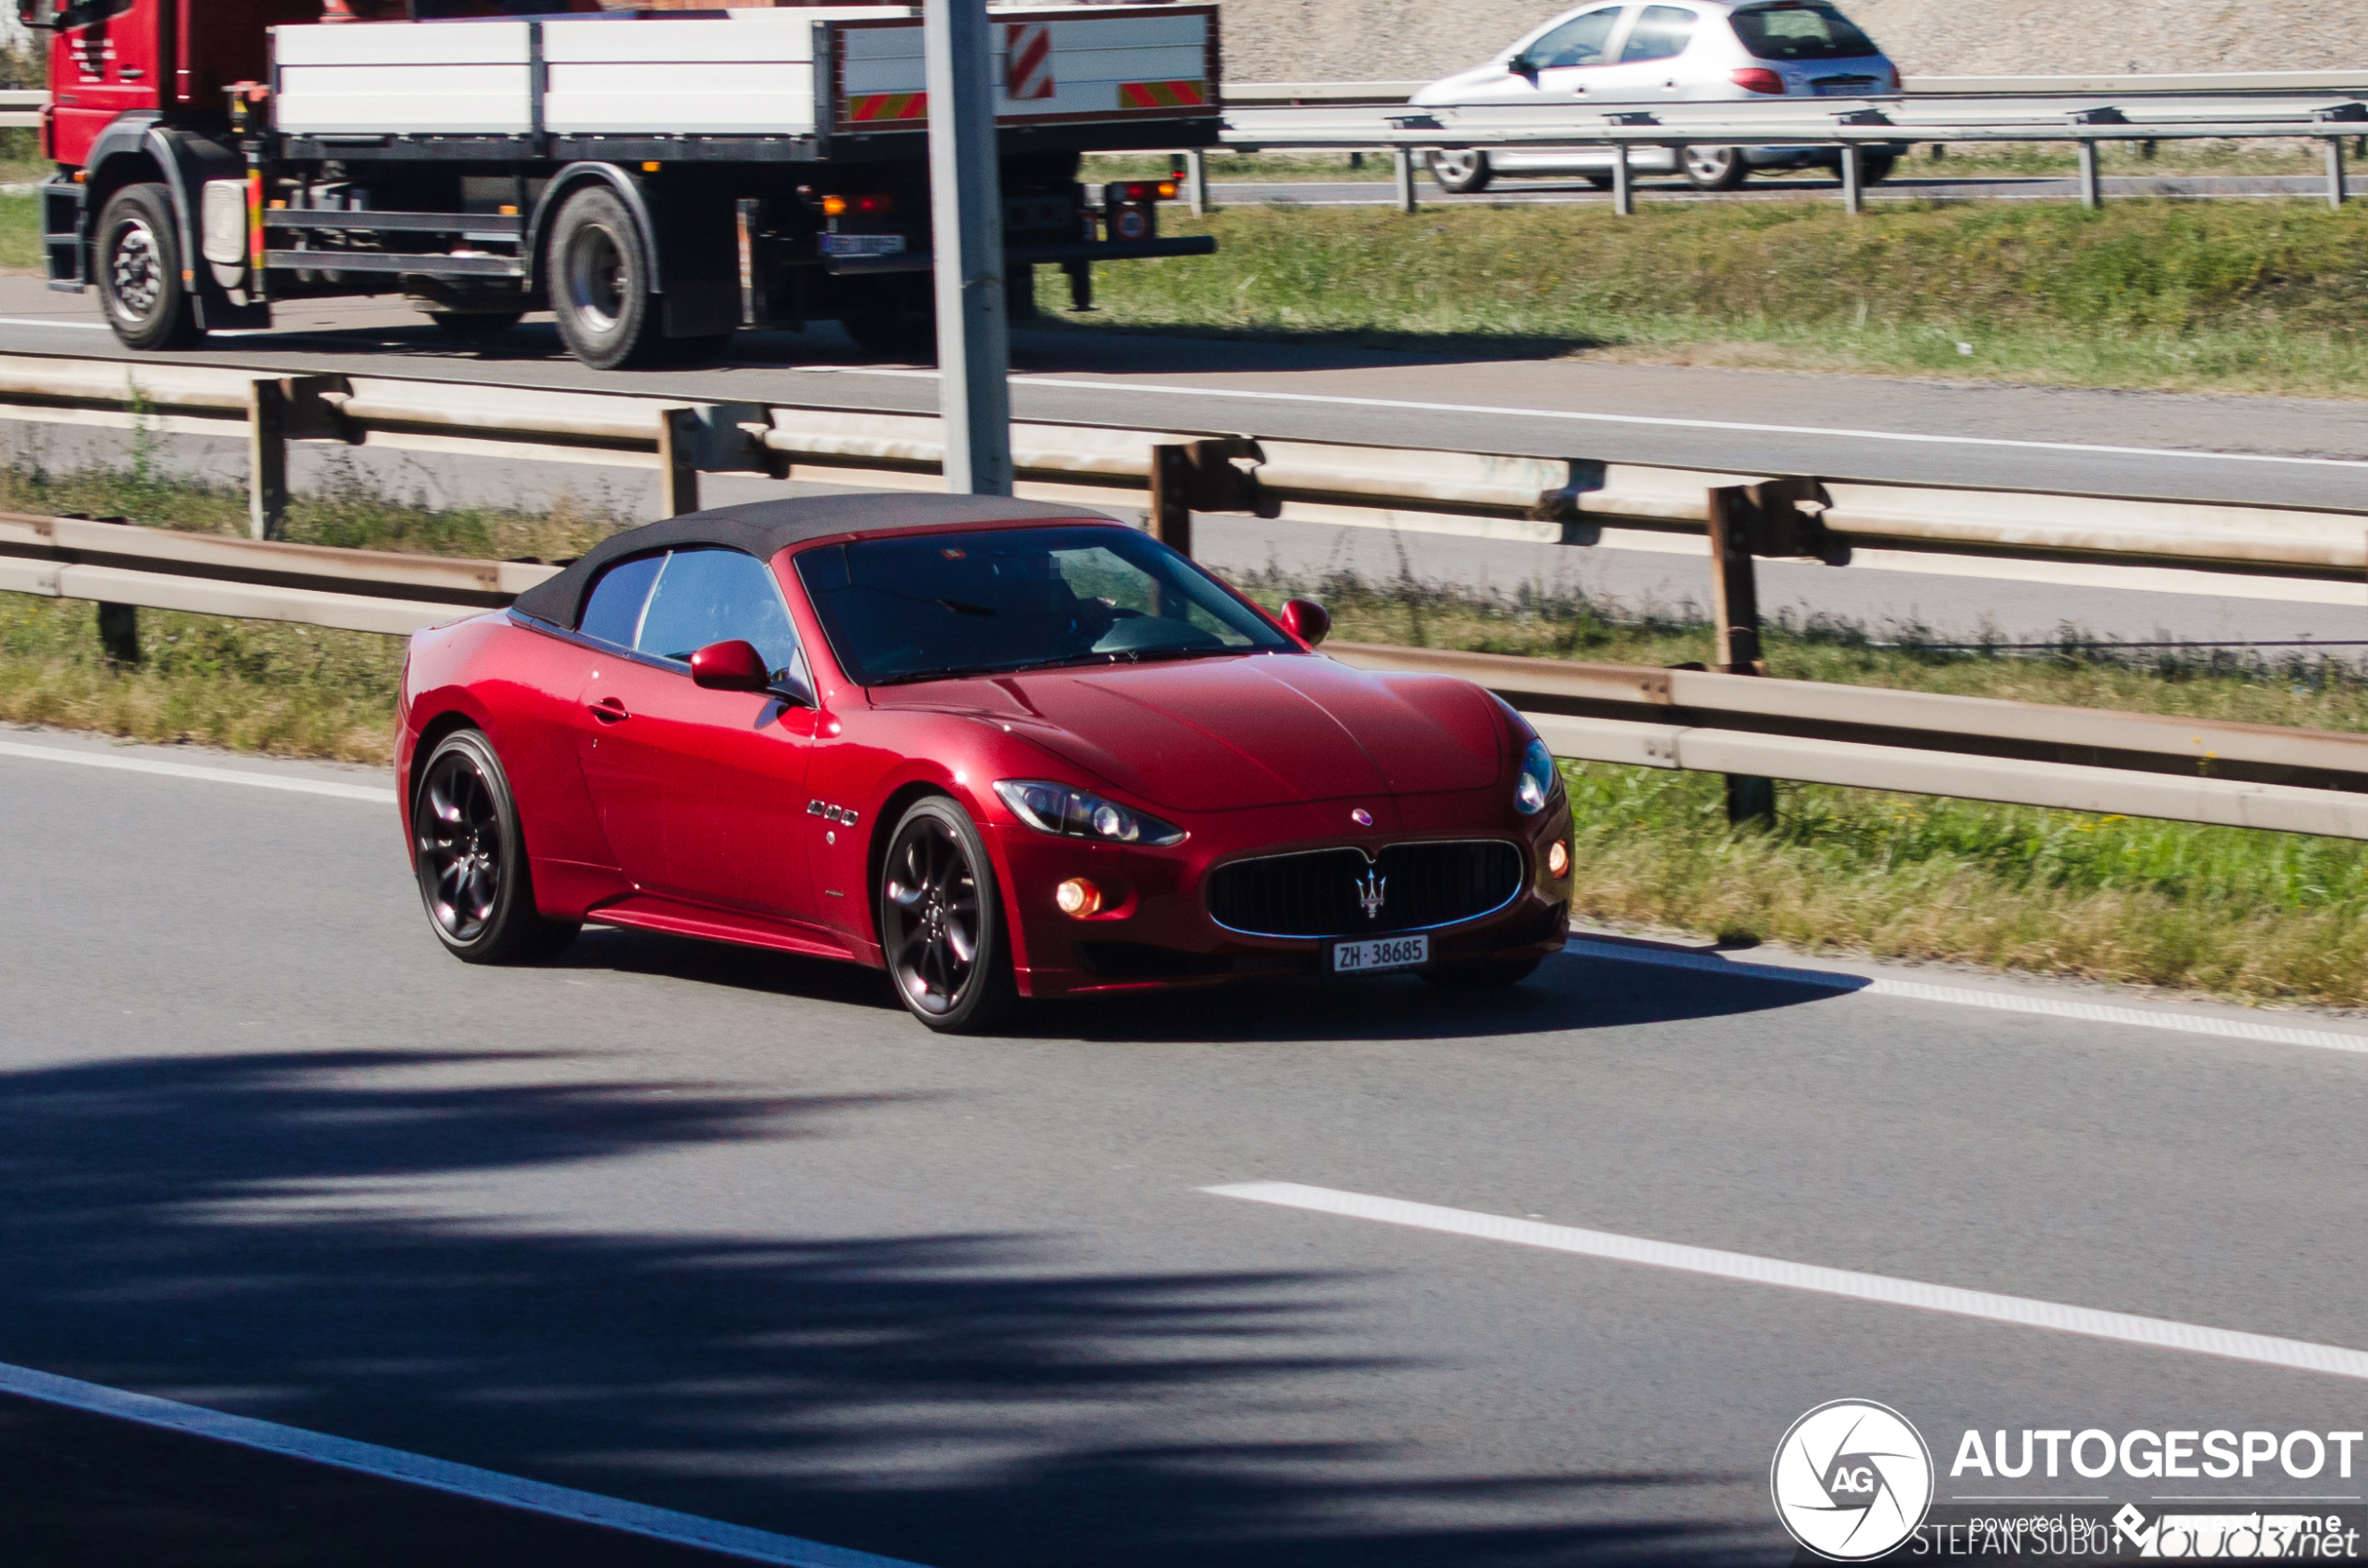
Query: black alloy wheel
[(1714, 168), (138, 261), (942, 922), (471, 859)]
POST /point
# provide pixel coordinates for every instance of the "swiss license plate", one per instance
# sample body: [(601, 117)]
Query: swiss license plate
[(1382, 953), (862, 244)]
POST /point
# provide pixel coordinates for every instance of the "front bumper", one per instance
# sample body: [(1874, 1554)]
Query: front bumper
[(1154, 931)]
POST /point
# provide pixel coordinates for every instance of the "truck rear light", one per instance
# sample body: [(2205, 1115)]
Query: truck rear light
[(1134, 193), (1756, 78), (878, 205)]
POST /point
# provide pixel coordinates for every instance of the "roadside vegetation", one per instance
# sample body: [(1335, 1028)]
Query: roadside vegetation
[(2238, 295), (2256, 916)]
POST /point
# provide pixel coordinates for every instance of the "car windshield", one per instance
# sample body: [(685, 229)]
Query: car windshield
[(1798, 31), (923, 605)]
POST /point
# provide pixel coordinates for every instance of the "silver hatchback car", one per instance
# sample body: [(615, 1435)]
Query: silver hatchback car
[(1625, 52)]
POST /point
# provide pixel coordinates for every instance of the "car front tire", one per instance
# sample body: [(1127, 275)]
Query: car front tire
[(1714, 168), (470, 854), (1462, 171), (941, 927)]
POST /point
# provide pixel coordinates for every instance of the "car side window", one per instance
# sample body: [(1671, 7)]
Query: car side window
[(612, 610), (1584, 40), (1661, 33), (705, 596)]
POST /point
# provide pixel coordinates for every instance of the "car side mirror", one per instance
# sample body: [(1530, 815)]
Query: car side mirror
[(1307, 620), (1522, 65), (733, 666)]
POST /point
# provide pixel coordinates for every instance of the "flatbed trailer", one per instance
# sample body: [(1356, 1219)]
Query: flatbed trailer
[(655, 179)]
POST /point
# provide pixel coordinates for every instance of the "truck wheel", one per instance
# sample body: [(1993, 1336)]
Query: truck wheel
[(599, 273), (895, 316), (139, 267)]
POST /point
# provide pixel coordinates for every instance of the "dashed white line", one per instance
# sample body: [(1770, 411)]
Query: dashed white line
[(2155, 1333), (1960, 996), (210, 774), (439, 1475)]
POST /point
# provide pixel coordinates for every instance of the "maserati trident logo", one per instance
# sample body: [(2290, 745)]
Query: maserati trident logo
[(1371, 894)]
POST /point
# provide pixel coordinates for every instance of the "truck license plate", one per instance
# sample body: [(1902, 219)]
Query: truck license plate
[(862, 244), (1385, 952)]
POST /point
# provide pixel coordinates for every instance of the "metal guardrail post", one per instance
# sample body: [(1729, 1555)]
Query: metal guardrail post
[(266, 459), (1623, 186), (1405, 157), (679, 435), (2092, 188), (1171, 516), (119, 633), (1196, 180), (1853, 179), (1734, 515), (2336, 194)]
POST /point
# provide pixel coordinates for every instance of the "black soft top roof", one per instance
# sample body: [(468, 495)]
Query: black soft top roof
[(763, 529)]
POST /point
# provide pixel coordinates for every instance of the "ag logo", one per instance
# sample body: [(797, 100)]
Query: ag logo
[(1851, 1480)]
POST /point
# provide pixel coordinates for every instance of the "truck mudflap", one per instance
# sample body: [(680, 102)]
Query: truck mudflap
[(1029, 255)]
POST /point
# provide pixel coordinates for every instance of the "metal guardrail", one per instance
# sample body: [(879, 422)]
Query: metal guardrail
[(2327, 107), (2233, 775), (2122, 85)]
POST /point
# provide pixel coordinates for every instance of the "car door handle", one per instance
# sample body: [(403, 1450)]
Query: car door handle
[(609, 710)]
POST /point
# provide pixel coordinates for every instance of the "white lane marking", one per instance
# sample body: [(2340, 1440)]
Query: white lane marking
[(210, 775), (439, 1475), (1997, 1001), (51, 321), (1658, 421), (2155, 1333)]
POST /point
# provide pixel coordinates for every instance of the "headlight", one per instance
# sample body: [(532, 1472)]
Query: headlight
[(1538, 778), (1057, 808)]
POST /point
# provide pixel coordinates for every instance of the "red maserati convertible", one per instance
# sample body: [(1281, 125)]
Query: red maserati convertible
[(998, 747)]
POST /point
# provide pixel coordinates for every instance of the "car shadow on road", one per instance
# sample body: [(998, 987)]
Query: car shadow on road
[(259, 1233), (1569, 992)]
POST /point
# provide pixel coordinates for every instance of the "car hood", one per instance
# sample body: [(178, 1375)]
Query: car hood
[(1219, 735)]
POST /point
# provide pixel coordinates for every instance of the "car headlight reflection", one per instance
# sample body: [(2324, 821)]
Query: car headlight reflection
[(1538, 778), (1056, 808)]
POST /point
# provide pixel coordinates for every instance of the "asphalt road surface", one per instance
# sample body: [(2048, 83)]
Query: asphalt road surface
[(2294, 452), (725, 1233)]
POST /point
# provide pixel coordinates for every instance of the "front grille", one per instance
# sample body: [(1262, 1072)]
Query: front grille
[(1324, 892)]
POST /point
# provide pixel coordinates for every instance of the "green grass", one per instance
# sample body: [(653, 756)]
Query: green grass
[(2227, 296)]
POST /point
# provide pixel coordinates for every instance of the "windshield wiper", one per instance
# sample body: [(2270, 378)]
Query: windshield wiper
[(947, 672)]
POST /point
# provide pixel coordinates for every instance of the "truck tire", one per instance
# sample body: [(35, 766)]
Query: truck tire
[(137, 258), (597, 271), (894, 316)]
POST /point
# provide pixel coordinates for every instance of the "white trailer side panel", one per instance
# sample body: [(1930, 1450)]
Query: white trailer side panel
[(1103, 61), (752, 73), (466, 79)]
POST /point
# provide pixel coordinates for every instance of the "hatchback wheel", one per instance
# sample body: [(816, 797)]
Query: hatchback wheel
[(942, 921), (1461, 172), (1714, 168), (471, 857)]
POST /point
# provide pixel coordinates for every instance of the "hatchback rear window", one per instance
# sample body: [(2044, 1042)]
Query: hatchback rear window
[(1799, 30)]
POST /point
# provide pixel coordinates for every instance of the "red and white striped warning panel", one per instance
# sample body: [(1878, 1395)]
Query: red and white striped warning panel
[(1161, 95), (886, 107), (1027, 60)]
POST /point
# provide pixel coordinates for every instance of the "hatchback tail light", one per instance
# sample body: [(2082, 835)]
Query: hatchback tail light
[(1756, 78)]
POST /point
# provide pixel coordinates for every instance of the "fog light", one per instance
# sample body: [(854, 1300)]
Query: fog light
[(1558, 859), (1078, 898)]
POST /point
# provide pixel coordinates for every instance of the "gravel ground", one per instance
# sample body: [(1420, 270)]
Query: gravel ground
[(1410, 40)]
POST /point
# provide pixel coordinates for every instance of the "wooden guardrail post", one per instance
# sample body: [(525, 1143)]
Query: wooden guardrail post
[(119, 633), (1734, 588), (266, 459), (1199, 476), (1171, 503)]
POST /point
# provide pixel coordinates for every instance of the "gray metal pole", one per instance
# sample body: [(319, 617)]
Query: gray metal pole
[(965, 211), (2335, 192), (1623, 192), (1405, 157), (1196, 180), (2092, 189), (1853, 179)]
